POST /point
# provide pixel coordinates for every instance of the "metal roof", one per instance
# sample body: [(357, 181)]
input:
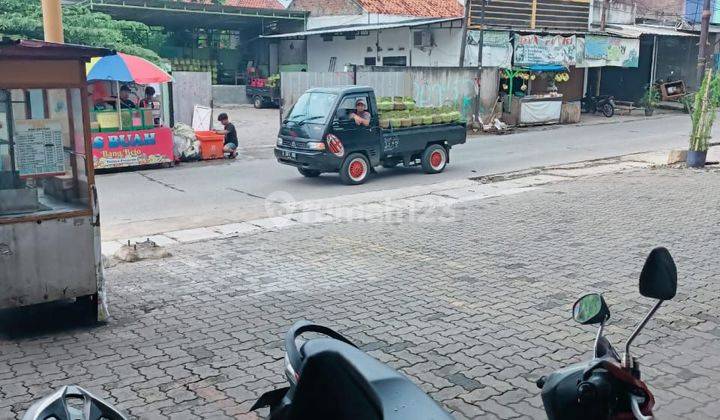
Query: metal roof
[(183, 14), (31, 48), (359, 28), (634, 31)]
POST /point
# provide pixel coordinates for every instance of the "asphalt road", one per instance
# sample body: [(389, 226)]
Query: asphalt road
[(144, 202)]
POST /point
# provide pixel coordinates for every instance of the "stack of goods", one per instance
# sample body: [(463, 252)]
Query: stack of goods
[(191, 64), (401, 112), (273, 81)]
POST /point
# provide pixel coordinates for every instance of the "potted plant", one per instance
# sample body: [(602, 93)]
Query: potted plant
[(650, 100), (705, 108)]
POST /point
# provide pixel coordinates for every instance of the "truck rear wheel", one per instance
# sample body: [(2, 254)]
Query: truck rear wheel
[(308, 173), (258, 102), (434, 159), (355, 169)]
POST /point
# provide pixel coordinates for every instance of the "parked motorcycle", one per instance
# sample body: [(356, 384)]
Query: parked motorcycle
[(606, 387), (602, 103)]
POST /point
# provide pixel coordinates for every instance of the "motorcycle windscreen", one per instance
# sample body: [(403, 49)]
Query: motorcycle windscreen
[(331, 388)]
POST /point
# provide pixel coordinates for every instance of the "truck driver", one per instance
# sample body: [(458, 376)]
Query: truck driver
[(361, 116)]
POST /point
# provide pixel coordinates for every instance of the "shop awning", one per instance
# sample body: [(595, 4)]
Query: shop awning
[(634, 31), (362, 28)]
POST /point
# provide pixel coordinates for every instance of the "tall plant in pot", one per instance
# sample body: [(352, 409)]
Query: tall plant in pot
[(650, 100), (706, 104)]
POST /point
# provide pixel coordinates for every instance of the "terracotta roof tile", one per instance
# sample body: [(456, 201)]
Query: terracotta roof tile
[(422, 8), (247, 4)]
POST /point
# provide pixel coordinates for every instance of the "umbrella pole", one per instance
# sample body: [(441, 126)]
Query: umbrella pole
[(117, 105)]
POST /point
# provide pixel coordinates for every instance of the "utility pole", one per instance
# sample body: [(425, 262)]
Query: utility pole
[(480, 62), (463, 41), (482, 30), (702, 51), (52, 21)]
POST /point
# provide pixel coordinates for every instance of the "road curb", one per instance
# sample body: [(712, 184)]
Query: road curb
[(401, 202)]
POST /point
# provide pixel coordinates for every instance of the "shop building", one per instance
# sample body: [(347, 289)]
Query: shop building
[(222, 39)]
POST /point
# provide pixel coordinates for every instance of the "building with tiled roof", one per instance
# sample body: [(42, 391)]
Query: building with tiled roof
[(405, 8), (245, 4)]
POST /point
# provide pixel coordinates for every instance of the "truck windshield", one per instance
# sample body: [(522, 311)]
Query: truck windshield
[(312, 107)]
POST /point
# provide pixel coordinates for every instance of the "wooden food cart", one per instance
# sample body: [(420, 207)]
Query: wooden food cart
[(49, 219)]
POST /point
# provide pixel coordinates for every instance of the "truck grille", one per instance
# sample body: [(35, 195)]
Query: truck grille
[(293, 144)]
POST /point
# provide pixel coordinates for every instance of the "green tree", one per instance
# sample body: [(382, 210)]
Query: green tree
[(23, 19)]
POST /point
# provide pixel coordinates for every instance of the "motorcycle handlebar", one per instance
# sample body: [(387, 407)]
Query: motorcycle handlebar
[(635, 402)]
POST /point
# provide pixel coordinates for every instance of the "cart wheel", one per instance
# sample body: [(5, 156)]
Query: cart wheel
[(309, 173), (355, 169), (89, 305), (258, 102), (434, 159)]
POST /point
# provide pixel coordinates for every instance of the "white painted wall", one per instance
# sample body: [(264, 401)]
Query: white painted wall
[(392, 42)]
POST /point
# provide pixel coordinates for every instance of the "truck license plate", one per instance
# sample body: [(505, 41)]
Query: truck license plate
[(291, 155)]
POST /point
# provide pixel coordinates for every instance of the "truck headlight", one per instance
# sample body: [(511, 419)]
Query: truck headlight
[(315, 145), (279, 141)]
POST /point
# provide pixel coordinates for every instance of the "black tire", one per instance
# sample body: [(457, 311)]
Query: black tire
[(258, 102), (434, 159), (355, 169), (608, 110), (309, 173)]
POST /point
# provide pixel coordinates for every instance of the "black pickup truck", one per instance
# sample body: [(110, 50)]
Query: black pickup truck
[(318, 135), (263, 96)]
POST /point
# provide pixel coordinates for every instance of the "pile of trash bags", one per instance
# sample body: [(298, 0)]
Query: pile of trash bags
[(185, 145)]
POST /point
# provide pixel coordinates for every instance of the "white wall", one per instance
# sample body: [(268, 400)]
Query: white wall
[(619, 13), (392, 42)]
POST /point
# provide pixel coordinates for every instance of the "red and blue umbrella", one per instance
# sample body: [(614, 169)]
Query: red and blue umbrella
[(126, 68)]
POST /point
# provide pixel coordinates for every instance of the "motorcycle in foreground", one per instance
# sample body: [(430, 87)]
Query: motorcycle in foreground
[(602, 103), (607, 387), (330, 378)]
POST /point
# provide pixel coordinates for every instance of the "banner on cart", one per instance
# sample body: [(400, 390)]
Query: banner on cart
[(132, 148)]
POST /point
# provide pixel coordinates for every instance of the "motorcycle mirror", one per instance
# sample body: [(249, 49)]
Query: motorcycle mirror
[(658, 279), (591, 309)]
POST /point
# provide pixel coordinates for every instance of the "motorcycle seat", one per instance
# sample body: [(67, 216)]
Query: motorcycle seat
[(397, 396)]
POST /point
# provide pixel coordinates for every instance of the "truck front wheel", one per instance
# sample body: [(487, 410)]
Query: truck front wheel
[(355, 169), (434, 159)]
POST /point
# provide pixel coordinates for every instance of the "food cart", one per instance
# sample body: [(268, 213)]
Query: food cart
[(49, 217), (524, 106), (127, 136)]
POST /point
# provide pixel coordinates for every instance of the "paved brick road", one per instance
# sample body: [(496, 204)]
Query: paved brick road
[(474, 310)]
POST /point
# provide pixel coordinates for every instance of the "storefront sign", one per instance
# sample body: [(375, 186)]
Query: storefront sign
[(611, 51), (537, 49), (39, 147), (132, 148)]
